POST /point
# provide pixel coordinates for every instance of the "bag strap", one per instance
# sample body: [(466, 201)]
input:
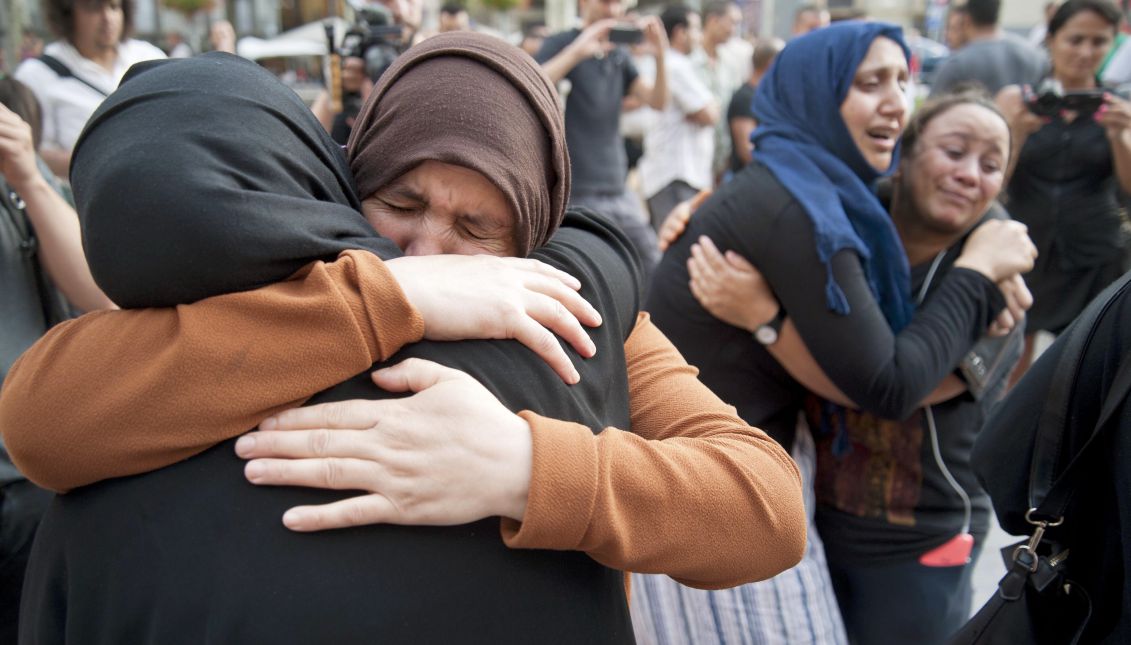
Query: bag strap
[(1050, 492), (63, 71)]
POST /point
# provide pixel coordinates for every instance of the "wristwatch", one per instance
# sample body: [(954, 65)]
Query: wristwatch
[(767, 332)]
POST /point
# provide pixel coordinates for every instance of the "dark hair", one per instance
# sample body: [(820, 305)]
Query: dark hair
[(18, 98), (937, 106), (452, 8), (675, 16), (529, 29), (984, 13), (60, 15), (715, 8), (1105, 9), (765, 52)]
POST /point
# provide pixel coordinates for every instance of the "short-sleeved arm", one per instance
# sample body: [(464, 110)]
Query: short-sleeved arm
[(629, 70), (692, 492), (552, 46), (90, 400)]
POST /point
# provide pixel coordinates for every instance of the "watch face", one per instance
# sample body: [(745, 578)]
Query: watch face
[(766, 335)]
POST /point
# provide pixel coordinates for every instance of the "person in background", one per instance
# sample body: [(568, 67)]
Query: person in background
[(831, 110), (222, 37), (740, 112), (92, 54), (722, 73), (178, 48), (43, 267), (601, 74), (679, 142), (808, 18), (453, 17), (356, 86), (533, 35), (956, 18), (898, 508), (991, 56), (1068, 170), (31, 45)]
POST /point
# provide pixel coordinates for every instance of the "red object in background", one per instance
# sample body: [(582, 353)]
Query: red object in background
[(955, 552)]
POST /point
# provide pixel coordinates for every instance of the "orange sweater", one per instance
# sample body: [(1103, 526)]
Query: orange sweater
[(693, 492)]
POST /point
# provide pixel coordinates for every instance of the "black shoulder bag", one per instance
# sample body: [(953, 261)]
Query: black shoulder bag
[(1036, 603)]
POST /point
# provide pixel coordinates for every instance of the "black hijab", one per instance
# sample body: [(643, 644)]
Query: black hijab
[(265, 174)]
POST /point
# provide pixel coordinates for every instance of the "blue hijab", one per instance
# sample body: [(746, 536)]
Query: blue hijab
[(804, 142)]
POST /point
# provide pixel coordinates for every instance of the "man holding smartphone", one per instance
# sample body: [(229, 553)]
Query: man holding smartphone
[(600, 75)]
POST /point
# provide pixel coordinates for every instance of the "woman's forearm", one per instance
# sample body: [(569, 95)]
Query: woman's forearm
[(693, 492), (122, 392)]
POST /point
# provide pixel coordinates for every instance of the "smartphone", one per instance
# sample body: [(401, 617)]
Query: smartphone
[(625, 35)]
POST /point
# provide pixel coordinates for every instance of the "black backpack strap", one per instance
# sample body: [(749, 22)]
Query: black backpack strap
[(1051, 488), (63, 71)]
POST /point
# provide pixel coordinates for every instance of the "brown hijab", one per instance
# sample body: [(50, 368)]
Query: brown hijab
[(475, 101)]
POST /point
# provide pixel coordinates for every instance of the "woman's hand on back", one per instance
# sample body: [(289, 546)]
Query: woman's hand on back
[(463, 297), (998, 249), (449, 454), (729, 287)]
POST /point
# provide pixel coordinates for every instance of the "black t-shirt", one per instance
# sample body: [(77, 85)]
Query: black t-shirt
[(884, 373), (741, 105), (193, 553), (592, 116)]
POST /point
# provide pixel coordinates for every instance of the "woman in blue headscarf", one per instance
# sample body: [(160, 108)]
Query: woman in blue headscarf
[(831, 111)]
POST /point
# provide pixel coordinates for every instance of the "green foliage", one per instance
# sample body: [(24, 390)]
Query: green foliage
[(190, 7), (499, 5)]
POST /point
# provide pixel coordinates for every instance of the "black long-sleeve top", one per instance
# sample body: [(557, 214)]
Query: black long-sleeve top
[(884, 373)]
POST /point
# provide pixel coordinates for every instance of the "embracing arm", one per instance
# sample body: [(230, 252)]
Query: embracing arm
[(91, 400), (694, 492), (886, 374)]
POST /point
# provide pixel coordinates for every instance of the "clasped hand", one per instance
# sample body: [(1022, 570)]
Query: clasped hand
[(449, 454)]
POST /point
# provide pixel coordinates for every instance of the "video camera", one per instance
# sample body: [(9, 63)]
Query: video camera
[(375, 38), (1050, 99)]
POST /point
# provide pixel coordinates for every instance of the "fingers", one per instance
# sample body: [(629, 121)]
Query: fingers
[(673, 227), (328, 473), (571, 301), (741, 264), (355, 511), (545, 269), (710, 254), (304, 444), (546, 346), (546, 313), (413, 375), (349, 415)]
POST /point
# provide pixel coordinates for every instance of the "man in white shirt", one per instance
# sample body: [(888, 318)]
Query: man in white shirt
[(679, 147), (80, 69), (721, 72)]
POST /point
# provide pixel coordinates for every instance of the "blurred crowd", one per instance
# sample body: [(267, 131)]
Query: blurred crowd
[(792, 280)]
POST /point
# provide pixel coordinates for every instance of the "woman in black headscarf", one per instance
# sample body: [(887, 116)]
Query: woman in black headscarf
[(386, 572)]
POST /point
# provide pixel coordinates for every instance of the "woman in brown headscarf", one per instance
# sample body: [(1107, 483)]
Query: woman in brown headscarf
[(692, 492)]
